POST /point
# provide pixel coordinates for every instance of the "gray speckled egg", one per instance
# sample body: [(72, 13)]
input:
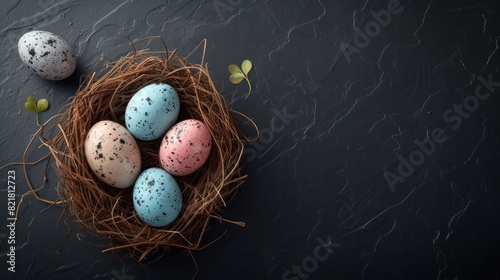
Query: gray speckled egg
[(113, 154), (157, 197), (47, 55), (152, 111)]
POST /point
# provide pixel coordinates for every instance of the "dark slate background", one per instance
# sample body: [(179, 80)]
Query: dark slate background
[(338, 114)]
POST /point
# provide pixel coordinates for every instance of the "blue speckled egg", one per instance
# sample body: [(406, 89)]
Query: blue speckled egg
[(157, 197), (152, 111)]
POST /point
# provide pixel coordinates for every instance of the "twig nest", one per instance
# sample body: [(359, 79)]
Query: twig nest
[(108, 212)]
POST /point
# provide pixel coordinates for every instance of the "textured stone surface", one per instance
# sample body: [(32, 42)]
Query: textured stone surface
[(347, 94)]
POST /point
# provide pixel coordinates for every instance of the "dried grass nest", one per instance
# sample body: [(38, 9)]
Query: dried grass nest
[(108, 212)]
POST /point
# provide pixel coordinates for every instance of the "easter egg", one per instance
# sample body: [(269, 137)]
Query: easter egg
[(152, 111), (157, 197), (112, 154), (185, 147), (47, 55)]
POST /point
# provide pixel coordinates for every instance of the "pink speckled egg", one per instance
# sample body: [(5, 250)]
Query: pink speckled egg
[(113, 154), (185, 147)]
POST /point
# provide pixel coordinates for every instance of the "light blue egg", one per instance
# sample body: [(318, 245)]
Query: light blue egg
[(152, 111), (157, 197)]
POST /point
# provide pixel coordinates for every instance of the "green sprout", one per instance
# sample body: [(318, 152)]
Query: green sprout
[(238, 75), (36, 106)]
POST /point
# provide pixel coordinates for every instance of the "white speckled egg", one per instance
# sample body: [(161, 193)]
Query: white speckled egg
[(47, 55), (152, 111), (185, 147), (113, 154), (157, 197)]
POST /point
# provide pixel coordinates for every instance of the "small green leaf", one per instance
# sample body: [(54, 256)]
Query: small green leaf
[(238, 75), (233, 69), (236, 78), (246, 66), (30, 106), (42, 105), (31, 99)]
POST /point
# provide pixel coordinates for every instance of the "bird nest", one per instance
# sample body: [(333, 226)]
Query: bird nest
[(108, 212)]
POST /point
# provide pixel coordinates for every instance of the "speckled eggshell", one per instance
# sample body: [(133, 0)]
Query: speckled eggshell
[(185, 147), (47, 55), (157, 197), (152, 111), (112, 154)]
